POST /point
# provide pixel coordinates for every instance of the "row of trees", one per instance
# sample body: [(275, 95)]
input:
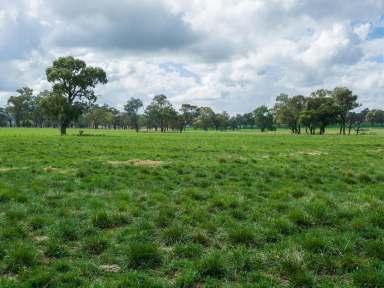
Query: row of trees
[(71, 103)]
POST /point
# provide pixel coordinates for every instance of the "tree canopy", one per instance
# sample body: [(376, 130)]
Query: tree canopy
[(72, 82), (72, 102)]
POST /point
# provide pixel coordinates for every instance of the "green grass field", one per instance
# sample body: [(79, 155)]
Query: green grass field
[(120, 209)]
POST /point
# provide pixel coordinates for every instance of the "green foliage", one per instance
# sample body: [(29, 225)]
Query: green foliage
[(263, 118), (71, 81)]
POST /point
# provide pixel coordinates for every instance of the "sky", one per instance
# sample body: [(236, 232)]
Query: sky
[(232, 55)]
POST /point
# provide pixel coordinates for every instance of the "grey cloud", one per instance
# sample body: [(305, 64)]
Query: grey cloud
[(128, 25), (135, 40), (341, 9), (20, 34)]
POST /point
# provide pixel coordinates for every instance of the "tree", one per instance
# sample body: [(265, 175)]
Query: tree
[(345, 102), (234, 122), (248, 120), (320, 111), (288, 111), (37, 113), (356, 119), (132, 108), (158, 113), (375, 116), (205, 118), (4, 117), (56, 108), (263, 118), (75, 82), (94, 116), (20, 106), (188, 114), (221, 121)]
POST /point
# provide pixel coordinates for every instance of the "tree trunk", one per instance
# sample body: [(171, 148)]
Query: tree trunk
[(63, 129)]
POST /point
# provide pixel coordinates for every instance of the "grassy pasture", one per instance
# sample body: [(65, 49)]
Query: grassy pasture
[(198, 209)]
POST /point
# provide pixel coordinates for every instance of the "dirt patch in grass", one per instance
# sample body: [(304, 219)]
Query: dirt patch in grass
[(136, 162), (50, 169), (305, 153), (110, 268), (41, 238), (3, 170), (10, 169)]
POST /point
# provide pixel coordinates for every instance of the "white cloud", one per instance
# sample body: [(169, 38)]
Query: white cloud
[(333, 46), (363, 30), (230, 54)]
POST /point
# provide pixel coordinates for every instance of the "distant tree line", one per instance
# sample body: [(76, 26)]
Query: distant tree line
[(72, 103)]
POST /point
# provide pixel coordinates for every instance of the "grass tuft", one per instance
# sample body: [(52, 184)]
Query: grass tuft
[(20, 257), (143, 255), (213, 265), (242, 235), (104, 220)]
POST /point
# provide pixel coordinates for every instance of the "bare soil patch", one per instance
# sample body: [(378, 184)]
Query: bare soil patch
[(110, 268), (136, 162), (3, 170), (50, 169)]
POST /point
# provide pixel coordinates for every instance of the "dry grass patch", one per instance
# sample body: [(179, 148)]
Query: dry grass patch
[(50, 169), (41, 238), (305, 153), (3, 170), (136, 162), (110, 268), (10, 169)]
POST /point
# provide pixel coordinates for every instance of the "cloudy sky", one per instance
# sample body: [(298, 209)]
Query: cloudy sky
[(230, 54)]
